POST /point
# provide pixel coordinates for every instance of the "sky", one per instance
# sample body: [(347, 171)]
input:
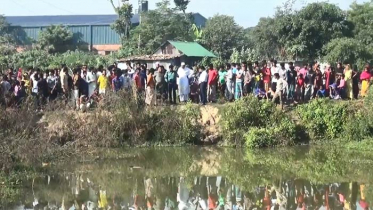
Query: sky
[(246, 12)]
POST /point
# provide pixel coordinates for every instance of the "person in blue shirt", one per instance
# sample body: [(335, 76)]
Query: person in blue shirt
[(117, 82)]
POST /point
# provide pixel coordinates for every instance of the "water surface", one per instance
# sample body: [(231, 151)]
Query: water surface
[(205, 178)]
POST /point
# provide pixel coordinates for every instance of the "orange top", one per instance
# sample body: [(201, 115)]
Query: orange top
[(150, 81)]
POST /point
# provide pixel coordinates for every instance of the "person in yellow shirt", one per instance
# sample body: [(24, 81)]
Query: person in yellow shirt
[(102, 83)]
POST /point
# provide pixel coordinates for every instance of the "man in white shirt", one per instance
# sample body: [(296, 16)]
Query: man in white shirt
[(280, 86), (230, 83), (92, 82), (274, 69), (202, 81)]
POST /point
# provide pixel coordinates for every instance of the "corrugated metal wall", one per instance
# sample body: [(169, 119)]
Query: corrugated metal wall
[(104, 35), (101, 34)]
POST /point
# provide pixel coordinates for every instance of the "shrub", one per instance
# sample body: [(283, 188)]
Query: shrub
[(239, 116), (323, 118), (283, 133)]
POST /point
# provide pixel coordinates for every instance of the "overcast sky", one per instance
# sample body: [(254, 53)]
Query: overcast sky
[(245, 12)]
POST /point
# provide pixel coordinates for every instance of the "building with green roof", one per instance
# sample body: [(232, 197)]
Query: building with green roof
[(173, 52)]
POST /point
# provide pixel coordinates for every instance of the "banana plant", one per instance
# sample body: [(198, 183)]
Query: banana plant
[(197, 32)]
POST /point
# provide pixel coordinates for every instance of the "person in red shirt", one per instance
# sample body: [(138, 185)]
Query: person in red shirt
[(212, 83), (137, 80), (266, 76), (300, 87)]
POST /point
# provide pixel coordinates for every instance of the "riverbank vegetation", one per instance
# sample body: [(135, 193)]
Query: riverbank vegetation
[(28, 137)]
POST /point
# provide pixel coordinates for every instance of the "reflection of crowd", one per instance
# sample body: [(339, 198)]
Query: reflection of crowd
[(202, 193)]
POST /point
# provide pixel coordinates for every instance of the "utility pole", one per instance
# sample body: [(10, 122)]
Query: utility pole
[(140, 11)]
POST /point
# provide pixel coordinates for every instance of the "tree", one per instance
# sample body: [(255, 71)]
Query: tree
[(181, 5), (348, 50), (314, 26), (7, 42), (265, 38), (158, 26), (123, 24), (222, 35), (361, 17), (56, 38)]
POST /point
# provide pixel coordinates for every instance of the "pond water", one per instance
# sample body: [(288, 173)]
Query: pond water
[(205, 178)]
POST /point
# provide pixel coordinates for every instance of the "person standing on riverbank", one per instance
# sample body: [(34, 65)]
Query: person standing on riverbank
[(202, 81), (230, 83), (171, 78), (212, 83), (222, 81), (150, 86), (183, 84), (102, 83)]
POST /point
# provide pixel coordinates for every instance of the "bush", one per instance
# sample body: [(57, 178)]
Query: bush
[(239, 116), (323, 118), (283, 133)]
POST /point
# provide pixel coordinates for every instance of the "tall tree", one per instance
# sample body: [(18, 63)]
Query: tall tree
[(361, 16), (157, 26), (123, 24), (222, 34), (7, 42), (181, 5), (56, 38), (348, 50), (315, 25)]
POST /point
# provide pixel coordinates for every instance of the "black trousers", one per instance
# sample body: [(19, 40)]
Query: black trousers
[(203, 92), (172, 92)]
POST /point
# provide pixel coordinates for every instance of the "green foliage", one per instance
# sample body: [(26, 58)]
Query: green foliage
[(197, 33), (222, 35), (349, 50), (298, 34), (282, 132), (7, 42), (243, 115), (315, 25), (361, 16), (181, 5), (244, 55), (359, 126), (56, 39), (323, 118), (44, 60), (158, 26), (122, 25)]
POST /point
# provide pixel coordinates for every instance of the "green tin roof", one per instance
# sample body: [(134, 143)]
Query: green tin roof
[(192, 49)]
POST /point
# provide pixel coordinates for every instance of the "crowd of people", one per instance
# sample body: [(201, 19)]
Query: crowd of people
[(199, 84), (198, 193)]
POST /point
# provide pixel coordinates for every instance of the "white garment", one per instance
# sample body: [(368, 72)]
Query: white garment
[(203, 77), (274, 70), (183, 195), (102, 91), (92, 83), (183, 82), (282, 73), (98, 74), (239, 72), (35, 88)]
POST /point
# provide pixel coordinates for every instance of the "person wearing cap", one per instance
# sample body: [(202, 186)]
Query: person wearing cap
[(183, 82)]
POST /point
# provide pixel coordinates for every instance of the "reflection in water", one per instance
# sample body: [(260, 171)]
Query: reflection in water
[(180, 179)]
